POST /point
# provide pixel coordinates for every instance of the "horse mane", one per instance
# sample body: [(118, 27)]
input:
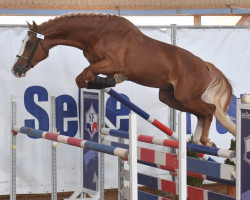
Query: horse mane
[(72, 15), (75, 15)]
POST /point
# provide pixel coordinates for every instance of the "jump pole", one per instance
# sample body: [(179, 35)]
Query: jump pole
[(224, 153), (141, 113), (116, 151), (148, 118)]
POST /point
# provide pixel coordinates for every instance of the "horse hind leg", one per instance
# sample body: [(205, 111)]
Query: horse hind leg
[(208, 117), (204, 113), (202, 110), (191, 102), (198, 131)]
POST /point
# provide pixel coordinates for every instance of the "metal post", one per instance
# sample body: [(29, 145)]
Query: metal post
[(53, 151), (101, 155), (13, 152), (173, 111), (120, 176), (182, 157)]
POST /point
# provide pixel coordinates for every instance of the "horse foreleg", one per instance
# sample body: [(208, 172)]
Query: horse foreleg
[(80, 81), (105, 66)]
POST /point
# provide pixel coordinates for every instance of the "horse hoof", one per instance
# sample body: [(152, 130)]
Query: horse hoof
[(213, 144), (197, 142), (80, 83), (119, 78), (210, 144), (206, 142)]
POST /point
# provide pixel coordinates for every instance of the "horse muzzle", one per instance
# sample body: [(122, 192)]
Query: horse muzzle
[(19, 71)]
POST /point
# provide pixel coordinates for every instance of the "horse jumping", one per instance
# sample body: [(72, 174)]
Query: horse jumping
[(116, 48)]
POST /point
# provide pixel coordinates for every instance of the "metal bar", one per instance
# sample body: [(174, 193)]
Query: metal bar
[(120, 177), (151, 26), (172, 115), (13, 153), (135, 12)]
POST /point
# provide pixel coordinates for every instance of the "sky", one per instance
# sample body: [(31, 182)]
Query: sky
[(139, 20)]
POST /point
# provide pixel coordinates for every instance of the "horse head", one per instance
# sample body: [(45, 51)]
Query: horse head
[(31, 52)]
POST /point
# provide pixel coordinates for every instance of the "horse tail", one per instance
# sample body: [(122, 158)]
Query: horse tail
[(219, 93)]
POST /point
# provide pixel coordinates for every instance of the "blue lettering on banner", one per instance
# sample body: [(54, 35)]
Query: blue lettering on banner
[(39, 113), (117, 113), (66, 111), (189, 131), (231, 112), (70, 112)]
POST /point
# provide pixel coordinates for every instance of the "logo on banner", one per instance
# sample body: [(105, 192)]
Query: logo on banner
[(91, 124), (247, 149)]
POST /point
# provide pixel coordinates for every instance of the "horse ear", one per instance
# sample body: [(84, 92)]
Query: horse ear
[(35, 28), (29, 25)]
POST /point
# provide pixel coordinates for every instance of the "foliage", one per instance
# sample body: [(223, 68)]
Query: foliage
[(232, 147), (192, 180)]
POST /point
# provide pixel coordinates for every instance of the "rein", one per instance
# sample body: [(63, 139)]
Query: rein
[(29, 59)]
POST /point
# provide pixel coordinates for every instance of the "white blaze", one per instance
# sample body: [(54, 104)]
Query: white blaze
[(21, 49)]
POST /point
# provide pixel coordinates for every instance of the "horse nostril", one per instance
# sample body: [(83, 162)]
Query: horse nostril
[(13, 70)]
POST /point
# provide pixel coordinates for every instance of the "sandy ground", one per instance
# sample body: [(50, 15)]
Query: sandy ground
[(112, 194)]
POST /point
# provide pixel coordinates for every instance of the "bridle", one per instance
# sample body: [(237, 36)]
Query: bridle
[(40, 37)]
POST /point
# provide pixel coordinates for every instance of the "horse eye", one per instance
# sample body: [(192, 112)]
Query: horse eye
[(29, 45)]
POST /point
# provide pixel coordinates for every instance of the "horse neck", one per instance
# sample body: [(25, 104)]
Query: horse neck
[(67, 33)]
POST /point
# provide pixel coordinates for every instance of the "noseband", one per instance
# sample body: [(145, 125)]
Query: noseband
[(29, 59)]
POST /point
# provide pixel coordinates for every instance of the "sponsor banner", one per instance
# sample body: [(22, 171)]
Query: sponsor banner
[(90, 127), (245, 151)]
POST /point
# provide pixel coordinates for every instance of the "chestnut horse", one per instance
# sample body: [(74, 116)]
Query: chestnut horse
[(116, 48)]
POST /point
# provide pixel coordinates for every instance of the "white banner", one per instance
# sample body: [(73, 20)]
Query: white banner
[(228, 49)]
